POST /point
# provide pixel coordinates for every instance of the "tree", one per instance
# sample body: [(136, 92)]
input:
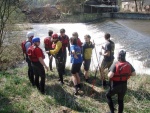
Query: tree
[(136, 8), (9, 12), (6, 9)]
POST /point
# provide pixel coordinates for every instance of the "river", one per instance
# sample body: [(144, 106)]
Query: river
[(130, 35)]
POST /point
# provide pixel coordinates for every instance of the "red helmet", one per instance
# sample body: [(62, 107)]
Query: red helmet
[(55, 36)]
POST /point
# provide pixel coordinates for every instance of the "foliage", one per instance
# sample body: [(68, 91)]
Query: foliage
[(9, 50)]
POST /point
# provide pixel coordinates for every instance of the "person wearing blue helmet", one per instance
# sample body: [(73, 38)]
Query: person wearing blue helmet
[(36, 56)]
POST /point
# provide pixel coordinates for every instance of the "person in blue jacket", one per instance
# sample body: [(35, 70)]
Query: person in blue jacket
[(76, 60)]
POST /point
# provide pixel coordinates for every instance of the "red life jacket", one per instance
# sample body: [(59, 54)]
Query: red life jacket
[(32, 55), (65, 42), (123, 72), (48, 43), (79, 43), (23, 46)]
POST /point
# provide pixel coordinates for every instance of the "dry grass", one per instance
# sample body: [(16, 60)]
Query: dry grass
[(18, 96)]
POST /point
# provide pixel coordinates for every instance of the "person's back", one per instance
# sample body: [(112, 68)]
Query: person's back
[(48, 46), (119, 74)]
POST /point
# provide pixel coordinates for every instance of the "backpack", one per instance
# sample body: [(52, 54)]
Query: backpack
[(79, 43), (23, 46), (32, 55)]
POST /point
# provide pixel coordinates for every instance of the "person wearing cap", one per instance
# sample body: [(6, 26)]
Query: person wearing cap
[(108, 57), (28, 43), (79, 43), (48, 46), (58, 54), (87, 48), (76, 60), (36, 56), (119, 74), (65, 43)]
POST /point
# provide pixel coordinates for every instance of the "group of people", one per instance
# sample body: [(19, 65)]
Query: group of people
[(56, 47)]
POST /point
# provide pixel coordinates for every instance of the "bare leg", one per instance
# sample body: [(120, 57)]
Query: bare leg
[(78, 78), (74, 79), (86, 74)]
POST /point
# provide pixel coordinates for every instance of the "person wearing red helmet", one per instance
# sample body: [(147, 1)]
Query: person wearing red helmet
[(36, 56), (65, 44), (58, 54), (48, 46)]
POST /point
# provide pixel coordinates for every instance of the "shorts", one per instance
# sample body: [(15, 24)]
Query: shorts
[(76, 68), (106, 64), (87, 64)]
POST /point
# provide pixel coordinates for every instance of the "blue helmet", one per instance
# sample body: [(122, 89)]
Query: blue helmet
[(35, 39)]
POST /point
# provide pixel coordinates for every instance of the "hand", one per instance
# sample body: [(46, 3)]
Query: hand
[(47, 52), (103, 47), (93, 44), (75, 56), (100, 53), (51, 57), (46, 68)]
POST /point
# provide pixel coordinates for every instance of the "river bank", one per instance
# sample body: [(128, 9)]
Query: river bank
[(91, 17), (18, 96)]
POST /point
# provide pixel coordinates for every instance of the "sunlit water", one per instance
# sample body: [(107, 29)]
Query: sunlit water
[(134, 40)]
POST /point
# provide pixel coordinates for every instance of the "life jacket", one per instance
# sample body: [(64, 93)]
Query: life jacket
[(23, 46), (65, 41), (32, 55), (123, 71), (48, 43), (79, 43)]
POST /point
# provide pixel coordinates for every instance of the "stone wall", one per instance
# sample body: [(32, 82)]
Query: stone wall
[(144, 16)]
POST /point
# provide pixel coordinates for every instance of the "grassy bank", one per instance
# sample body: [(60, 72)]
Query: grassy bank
[(18, 96)]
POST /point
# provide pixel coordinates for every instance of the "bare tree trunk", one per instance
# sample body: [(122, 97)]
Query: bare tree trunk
[(136, 8)]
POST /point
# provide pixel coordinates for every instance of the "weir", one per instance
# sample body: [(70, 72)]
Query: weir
[(135, 43)]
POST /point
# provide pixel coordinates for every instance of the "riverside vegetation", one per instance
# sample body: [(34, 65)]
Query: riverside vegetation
[(18, 96)]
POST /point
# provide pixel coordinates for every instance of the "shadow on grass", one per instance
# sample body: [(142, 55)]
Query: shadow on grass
[(6, 105), (64, 98), (90, 91)]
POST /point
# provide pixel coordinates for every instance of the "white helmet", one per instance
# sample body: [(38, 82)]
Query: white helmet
[(29, 34)]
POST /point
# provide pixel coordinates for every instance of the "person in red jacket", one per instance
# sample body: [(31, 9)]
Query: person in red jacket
[(65, 43), (119, 73), (48, 46), (79, 43), (36, 56)]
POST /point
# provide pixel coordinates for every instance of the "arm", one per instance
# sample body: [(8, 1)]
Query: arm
[(27, 45), (83, 51), (107, 53), (42, 61), (133, 73), (110, 74), (57, 48), (68, 46)]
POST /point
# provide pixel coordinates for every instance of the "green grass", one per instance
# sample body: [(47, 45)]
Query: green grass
[(18, 96)]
